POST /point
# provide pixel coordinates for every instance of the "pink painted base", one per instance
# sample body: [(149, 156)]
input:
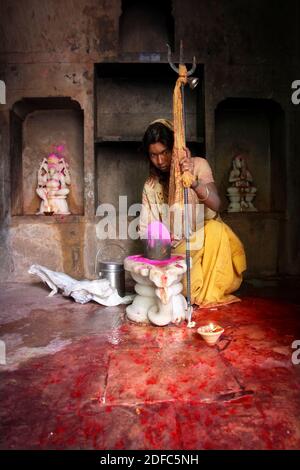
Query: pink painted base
[(165, 262)]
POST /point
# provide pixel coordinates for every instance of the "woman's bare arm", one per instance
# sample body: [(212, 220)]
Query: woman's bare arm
[(207, 192)]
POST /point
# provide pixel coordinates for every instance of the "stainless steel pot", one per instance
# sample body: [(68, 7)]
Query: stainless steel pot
[(114, 272)]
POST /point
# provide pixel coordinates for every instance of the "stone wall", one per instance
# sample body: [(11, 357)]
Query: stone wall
[(248, 49)]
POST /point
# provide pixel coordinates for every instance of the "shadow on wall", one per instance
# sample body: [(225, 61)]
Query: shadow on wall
[(146, 26)]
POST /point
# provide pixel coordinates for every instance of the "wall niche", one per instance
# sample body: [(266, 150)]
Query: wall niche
[(256, 128), (128, 97), (37, 126)]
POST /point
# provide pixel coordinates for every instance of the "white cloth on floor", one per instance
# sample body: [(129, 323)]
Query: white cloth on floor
[(82, 291)]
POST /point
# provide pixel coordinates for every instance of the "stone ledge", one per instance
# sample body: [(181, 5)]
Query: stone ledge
[(255, 215), (44, 219)]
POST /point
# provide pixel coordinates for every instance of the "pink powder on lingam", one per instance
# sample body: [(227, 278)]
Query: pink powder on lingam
[(157, 231), (141, 259)]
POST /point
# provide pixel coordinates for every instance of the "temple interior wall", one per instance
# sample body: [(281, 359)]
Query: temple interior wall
[(94, 82)]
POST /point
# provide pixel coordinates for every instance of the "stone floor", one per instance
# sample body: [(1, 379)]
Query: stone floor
[(83, 377)]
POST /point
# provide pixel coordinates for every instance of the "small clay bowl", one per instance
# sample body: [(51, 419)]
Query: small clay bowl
[(49, 213), (209, 336)]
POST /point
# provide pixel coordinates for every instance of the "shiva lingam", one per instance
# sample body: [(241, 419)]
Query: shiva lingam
[(157, 245), (158, 278), (210, 333)]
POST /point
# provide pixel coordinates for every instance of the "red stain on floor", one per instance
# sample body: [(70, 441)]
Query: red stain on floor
[(112, 384)]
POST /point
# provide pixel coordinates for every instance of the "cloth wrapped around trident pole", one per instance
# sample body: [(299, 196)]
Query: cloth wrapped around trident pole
[(180, 183)]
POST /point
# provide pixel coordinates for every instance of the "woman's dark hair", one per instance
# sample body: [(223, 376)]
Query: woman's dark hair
[(157, 132)]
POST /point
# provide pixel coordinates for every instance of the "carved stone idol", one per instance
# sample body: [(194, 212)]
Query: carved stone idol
[(241, 191), (53, 178)]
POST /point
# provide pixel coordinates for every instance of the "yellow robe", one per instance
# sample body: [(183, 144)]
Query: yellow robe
[(217, 267), (218, 263)]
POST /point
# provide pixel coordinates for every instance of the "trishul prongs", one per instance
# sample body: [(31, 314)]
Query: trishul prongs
[(173, 66)]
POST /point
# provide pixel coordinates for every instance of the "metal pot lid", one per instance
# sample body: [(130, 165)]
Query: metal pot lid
[(111, 266)]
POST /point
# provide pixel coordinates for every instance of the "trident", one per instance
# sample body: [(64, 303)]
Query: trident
[(193, 82)]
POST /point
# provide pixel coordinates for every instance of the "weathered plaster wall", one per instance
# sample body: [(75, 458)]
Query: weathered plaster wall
[(48, 49)]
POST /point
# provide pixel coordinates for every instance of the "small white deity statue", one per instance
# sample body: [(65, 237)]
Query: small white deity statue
[(241, 191), (53, 178)]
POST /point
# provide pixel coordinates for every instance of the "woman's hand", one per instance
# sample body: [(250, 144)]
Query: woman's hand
[(187, 163)]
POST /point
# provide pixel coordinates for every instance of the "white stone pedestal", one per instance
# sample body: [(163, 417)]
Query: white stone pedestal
[(158, 287)]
